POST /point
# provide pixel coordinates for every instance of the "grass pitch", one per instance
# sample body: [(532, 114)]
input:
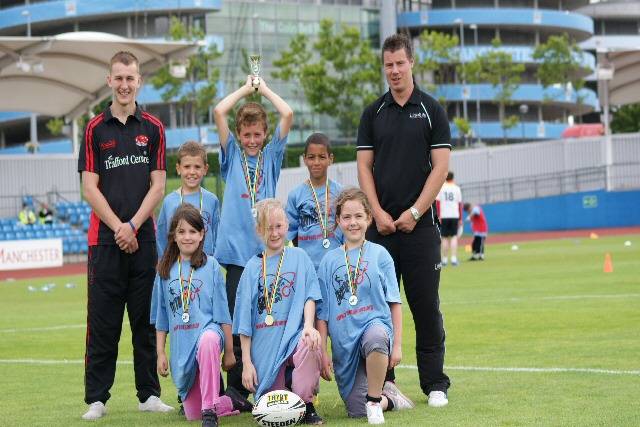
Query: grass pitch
[(539, 336)]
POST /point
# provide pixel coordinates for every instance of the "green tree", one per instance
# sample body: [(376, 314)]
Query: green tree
[(198, 90), (498, 68), (626, 119), (464, 128), (560, 63), (436, 58), (339, 73), (55, 126)]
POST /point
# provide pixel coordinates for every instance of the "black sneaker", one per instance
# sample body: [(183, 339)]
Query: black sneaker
[(311, 416), (240, 403), (209, 418), (181, 410)]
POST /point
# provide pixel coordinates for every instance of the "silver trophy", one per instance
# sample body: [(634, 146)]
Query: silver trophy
[(254, 64)]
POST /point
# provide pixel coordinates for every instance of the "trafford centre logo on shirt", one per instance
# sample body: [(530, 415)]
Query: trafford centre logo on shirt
[(113, 162)]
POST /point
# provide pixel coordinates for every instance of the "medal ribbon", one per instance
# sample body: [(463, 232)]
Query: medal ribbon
[(352, 280), (324, 221), (252, 187), (185, 301), (200, 198), (269, 297)]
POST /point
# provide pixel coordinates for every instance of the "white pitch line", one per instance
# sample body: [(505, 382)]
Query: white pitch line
[(412, 367), (42, 328), (534, 370), (53, 362), (549, 298), (47, 328)]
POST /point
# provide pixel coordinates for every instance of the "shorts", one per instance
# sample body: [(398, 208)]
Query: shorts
[(449, 227)]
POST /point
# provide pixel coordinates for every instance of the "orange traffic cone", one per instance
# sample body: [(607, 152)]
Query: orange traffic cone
[(608, 264)]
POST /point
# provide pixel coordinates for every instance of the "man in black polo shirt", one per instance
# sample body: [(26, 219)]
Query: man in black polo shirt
[(403, 159), (122, 162)]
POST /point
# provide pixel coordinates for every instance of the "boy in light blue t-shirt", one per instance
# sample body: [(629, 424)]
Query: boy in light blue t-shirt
[(250, 170), (310, 206), (192, 166)]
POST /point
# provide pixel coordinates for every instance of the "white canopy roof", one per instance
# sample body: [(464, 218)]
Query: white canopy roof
[(623, 54), (65, 75)]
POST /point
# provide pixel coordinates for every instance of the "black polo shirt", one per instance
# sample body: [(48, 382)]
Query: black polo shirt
[(402, 139), (123, 155)]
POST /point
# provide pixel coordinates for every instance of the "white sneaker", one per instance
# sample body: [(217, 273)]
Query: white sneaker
[(393, 393), (437, 399), (154, 404), (374, 413), (96, 410)]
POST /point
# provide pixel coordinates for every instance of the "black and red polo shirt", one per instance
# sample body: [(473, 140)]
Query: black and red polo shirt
[(123, 155)]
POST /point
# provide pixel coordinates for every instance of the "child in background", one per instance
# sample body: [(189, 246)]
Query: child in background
[(192, 305), (250, 170), (310, 205), (479, 228), (192, 166), (275, 314), (361, 312)]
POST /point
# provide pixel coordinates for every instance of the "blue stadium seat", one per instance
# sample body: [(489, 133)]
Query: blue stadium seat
[(20, 235), (10, 235), (66, 247), (7, 227), (2, 237), (30, 235), (58, 233)]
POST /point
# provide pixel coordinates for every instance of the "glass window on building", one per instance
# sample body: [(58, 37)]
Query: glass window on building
[(483, 3), (309, 13), (620, 27), (266, 10), (329, 12), (288, 11)]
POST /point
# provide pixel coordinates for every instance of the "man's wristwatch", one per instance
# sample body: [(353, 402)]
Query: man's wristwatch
[(415, 213)]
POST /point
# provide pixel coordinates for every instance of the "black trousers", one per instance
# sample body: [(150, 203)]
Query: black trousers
[(116, 279), (477, 246), (234, 375), (416, 256)]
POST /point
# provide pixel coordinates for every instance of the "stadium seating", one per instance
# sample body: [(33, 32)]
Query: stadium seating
[(71, 224)]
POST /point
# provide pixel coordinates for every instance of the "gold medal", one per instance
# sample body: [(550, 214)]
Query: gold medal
[(268, 320), (252, 185), (270, 296)]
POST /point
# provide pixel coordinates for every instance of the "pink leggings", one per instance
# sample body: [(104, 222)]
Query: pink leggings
[(306, 372), (205, 392)]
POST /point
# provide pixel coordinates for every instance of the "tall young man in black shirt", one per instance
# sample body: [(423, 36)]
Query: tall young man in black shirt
[(403, 160), (122, 162)]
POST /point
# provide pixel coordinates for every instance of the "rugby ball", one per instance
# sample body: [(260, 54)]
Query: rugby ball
[(278, 408)]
